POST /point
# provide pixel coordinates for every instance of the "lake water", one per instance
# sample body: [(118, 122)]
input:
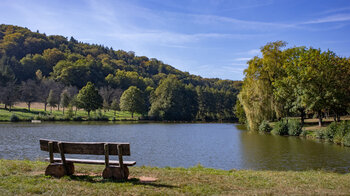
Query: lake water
[(214, 145)]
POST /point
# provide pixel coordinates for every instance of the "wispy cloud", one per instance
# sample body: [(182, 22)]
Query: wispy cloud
[(247, 24), (336, 10), (252, 52), (329, 19), (242, 59)]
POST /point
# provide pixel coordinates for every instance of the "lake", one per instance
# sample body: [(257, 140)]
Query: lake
[(215, 145)]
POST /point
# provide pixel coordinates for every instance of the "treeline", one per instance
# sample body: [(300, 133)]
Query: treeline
[(297, 81), (34, 66)]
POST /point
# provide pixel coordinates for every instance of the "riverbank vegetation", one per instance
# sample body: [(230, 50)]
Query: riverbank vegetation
[(54, 70), (27, 178), (294, 82)]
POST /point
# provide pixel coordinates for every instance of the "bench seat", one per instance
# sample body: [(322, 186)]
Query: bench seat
[(89, 161)]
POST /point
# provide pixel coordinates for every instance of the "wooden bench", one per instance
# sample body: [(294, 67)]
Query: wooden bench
[(59, 167)]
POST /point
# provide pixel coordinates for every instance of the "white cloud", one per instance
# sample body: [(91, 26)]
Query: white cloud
[(242, 59), (329, 19)]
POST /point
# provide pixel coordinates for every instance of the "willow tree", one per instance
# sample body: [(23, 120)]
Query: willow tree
[(256, 95)]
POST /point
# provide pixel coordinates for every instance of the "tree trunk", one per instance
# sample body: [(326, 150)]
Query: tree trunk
[(5, 107), (76, 109), (88, 114), (63, 110), (302, 117), (51, 110), (10, 107), (114, 113), (338, 118), (132, 114), (319, 118), (58, 107), (45, 104), (28, 106)]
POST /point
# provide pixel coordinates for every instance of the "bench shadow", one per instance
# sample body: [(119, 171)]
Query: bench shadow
[(134, 181)]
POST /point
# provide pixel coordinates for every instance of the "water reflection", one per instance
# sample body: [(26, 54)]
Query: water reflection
[(269, 152)]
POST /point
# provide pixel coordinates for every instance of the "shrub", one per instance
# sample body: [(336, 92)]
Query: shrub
[(14, 118), (69, 113), (280, 128), (330, 131), (78, 118), (346, 140), (304, 133), (341, 130), (294, 127), (320, 134), (265, 126)]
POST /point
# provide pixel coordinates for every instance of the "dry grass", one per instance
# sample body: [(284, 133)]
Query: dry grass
[(26, 178)]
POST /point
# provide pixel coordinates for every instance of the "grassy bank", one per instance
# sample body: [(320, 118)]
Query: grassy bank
[(26, 178), (57, 115)]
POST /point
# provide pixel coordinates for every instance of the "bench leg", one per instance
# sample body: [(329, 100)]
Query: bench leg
[(57, 170), (114, 172)]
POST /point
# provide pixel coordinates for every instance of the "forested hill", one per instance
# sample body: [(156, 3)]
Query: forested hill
[(35, 57)]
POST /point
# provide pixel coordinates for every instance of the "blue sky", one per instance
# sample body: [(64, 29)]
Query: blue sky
[(210, 38)]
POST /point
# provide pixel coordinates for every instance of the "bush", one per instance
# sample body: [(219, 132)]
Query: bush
[(320, 134), (346, 140), (294, 127), (330, 131), (304, 133), (78, 118), (14, 118), (343, 129), (69, 113), (280, 128), (265, 126)]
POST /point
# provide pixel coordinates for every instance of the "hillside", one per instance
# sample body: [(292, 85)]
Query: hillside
[(35, 57)]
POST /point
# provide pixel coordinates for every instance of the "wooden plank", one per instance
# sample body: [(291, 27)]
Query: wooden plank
[(107, 155), (96, 162), (94, 148), (120, 156), (51, 151), (63, 157)]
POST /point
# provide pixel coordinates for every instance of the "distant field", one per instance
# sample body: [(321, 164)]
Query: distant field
[(37, 109)]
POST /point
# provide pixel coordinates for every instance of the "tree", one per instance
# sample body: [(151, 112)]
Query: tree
[(29, 92), (89, 99), (239, 112), (9, 94), (44, 87), (52, 100), (115, 106), (65, 99), (171, 100), (261, 74), (109, 94), (132, 101)]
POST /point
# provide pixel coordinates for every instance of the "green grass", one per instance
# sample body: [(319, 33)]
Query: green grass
[(25, 115), (27, 178)]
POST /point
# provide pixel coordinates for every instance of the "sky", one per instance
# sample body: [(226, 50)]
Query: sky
[(210, 38)]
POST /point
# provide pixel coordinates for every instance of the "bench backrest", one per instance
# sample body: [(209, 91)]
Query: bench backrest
[(92, 148)]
